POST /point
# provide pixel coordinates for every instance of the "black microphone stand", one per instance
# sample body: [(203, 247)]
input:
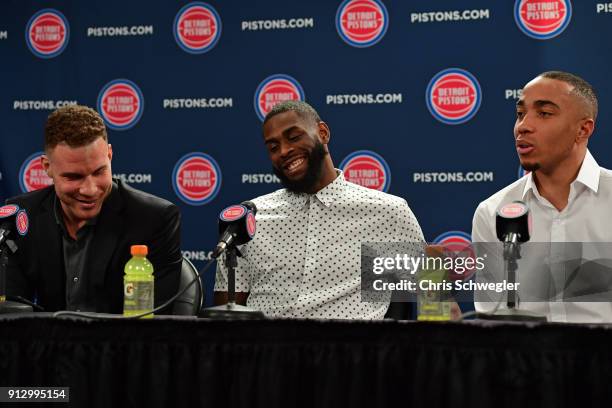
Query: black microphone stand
[(7, 306), (512, 253), (231, 310)]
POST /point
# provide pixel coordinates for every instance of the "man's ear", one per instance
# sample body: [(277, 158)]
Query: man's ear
[(585, 129), (110, 152), (324, 132), (44, 161)]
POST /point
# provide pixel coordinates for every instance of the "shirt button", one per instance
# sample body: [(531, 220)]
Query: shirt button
[(75, 279)]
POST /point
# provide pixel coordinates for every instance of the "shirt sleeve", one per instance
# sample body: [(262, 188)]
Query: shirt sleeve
[(408, 229), (483, 226), (406, 237), (165, 255), (408, 240)]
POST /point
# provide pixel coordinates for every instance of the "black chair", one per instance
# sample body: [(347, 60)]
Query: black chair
[(190, 302), (400, 311)]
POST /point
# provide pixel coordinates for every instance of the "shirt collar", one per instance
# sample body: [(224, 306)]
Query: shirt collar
[(58, 212), (59, 219), (588, 175), (327, 195), (113, 200)]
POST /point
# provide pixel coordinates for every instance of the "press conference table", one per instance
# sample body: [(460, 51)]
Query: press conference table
[(189, 362)]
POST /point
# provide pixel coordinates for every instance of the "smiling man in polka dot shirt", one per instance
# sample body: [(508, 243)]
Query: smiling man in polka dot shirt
[(305, 258)]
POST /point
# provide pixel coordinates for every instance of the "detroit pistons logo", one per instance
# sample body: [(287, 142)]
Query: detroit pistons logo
[(197, 28), (196, 178), (513, 210), (121, 104), (22, 222), (250, 223), (276, 89), (47, 33), (232, 213), (8, 210), (453, 96), (453, 240), (362, 23), (542, 19), (32, 176), (368, 169), (457, 244)]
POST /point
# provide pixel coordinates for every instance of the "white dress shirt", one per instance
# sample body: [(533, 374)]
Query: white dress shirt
[(305, 258), (586, 218)]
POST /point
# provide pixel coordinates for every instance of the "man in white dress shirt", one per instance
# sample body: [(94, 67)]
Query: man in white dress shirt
[(569, 195), (305, 260)]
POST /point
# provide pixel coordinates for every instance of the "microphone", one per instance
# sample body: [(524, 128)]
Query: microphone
[(14, 223), (236, 226), (512, 222), (512, 225), (512, 228), (12, 219)]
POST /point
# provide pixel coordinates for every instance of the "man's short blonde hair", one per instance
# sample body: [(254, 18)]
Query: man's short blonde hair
[(75, 125)]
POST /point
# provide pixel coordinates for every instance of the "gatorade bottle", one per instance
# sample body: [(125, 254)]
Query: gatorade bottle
[(138, 283), (433, 290)]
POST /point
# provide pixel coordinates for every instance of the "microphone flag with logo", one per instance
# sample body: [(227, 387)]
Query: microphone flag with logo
[(513, 218), (12, 219), (236, 226)]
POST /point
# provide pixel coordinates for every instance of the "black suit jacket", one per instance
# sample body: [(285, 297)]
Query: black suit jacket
[(128, 217)]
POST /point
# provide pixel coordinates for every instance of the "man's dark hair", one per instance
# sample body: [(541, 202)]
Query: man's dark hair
[(582, 88), (300, 107), (74, 125)]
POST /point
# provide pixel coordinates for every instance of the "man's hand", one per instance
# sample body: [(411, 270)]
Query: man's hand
[(455, 311)]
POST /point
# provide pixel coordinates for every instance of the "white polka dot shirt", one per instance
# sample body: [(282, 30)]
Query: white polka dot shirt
[(305, 258)]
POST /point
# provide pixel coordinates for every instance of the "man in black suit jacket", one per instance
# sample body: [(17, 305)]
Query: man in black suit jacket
[(82, 227)]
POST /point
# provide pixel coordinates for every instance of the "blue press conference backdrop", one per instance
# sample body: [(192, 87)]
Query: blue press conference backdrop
[(419, 95)]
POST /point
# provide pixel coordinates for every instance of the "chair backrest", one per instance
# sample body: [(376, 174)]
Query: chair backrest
[(190, 302), (400, 311)]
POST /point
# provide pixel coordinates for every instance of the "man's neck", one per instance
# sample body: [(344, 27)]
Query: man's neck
[(328, 175), (73, 226), (555, 185)]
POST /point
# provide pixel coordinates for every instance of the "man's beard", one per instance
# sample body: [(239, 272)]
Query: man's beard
[(530, 166), (312, 175)]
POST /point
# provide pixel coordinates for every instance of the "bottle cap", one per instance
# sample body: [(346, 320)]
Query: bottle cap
[(140, 250), (434, 251)]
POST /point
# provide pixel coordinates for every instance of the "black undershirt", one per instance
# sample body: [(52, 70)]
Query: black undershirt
[(76, 253)]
